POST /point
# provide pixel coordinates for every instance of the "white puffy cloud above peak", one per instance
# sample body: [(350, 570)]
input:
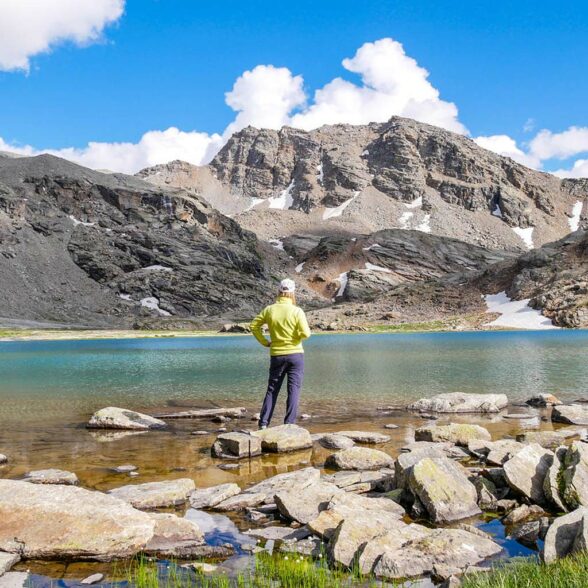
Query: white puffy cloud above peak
[(392, 83), (507, 146), (548, 145), (31, 27)]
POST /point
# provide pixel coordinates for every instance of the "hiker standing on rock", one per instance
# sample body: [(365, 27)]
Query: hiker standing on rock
[(288, 327)]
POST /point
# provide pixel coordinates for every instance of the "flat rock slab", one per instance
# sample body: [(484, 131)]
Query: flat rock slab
[(173, 534), (359, 458), (236, 446), (495, 452), (457, 402), (566, 535), (206, 413), (241, 501), (368, 437), (547, 439), (93, 579), (209, 497), (304, 505), (51, 476), (112, 417), (460, 434), (15, 580), (66, 522), (7, 560), (284, 438), (155, 494), (444, 489), (573, 414), (526, 471), (276, 533), (336, 441), (366, 481)]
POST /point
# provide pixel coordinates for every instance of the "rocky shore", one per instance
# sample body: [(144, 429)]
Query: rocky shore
[(412, 515)]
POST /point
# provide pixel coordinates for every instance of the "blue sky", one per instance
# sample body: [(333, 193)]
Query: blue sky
[(506, 66)]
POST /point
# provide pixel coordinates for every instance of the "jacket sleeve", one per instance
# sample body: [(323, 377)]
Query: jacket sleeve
[(303, 328), (256, 328)]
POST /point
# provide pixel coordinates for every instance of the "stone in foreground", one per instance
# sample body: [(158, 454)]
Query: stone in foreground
[(359, 458), (284, 438), (209, 497), (443, 487), (566, 535), (459, 434), (526, 471), (236, 446), (51, 476), (572, 414), (121, 418), (66, 522), (155, 494), (458, 402), (93, 579)]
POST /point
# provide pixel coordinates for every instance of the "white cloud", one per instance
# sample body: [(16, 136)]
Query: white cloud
[(30, 27), (548, 145), (578, 170), (507, 146), (392, 84)]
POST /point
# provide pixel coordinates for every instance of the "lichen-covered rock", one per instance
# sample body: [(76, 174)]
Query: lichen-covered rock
[(573, 478), (236, 446), (460, 434), (458, 402), (284, 438), (155, 494), (359, 458), (112, 417), (406, 461), (51, 476), (526, 471), (209, 497), (567, 534), (572, 414), (444, 489)]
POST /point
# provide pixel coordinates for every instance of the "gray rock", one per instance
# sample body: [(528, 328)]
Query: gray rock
[(522, 513), (359, 458), (390, 426), (542, 400), (7, 560), (460, 434), (573, 479), (93, 579), (368, 437), (551, 484), (288, 482), (236, 446), (121, 418), (284, 438), (51, 476), (3, 459), (495, 452), (526, 471), (209, 497), (15, 580), (173, 536), (207, 413), (444, 489), (573, 414), (311, 547), (66, 522), (304, 505), (406, 461), (526, 533), (276, 533), (241, 501), (335, 441), (155, 494), (124, 469), (362, 481), (458, 402), (566, 535), (548, 439)]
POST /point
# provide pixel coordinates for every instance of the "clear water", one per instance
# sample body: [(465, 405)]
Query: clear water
[(65, 380)]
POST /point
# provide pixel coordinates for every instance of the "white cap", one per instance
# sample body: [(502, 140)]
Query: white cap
[(287, 286)]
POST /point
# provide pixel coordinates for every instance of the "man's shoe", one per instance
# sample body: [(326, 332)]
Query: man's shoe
[(262, 427)]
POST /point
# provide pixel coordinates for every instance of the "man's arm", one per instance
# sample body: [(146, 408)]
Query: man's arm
[(303, 328), (256, 328)]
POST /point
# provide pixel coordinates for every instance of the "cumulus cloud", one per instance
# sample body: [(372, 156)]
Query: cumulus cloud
[(548, 145), (31, 27), (578, 170), (507, 146), (392, 83)]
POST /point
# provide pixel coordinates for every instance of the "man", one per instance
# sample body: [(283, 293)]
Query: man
[(288, 327)]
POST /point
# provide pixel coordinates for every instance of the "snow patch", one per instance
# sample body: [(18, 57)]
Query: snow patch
[(342, 279), (299, 267), (526, 235), (418, 203), (284, 201), (253, 203), (77, 222), (515, 313), (319, 173), (158, 268), (576, 214), (338, 210), (377, 268), (497, 211), (373, 246), (153, 303), (125, 296), (425, 225), (365, 152), (405, 219), (277, 244)]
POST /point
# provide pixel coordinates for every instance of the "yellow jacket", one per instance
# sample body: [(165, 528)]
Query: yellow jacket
[(287, 325)]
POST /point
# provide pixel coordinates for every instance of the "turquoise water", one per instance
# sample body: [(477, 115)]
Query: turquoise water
[(66, 379)]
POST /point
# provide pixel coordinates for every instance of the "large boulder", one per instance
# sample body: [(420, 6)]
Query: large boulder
[(51, 476), (359, 458), (284, 438), (66, 522), (369, 437), (236, 446), (406, 461), (453, 548), (155, 494), (572, 414), (112, 417), (209, 497), (460, 434), (304, 505), (459, 402), (574, 476), (526, 471), (444, 489), (566, 535)]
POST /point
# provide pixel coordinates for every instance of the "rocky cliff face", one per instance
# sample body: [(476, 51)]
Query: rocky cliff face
[(81, 247)]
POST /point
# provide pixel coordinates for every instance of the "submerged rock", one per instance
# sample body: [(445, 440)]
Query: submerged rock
[(567, 534), (368, 437), (284, 438), (121, 418), (209, 497), (51, 476), (460, 434), (526, 471), (444, 489), (456, 402), (236, 446), (155, 494), (359, 458), (573, 414), (57, 522)]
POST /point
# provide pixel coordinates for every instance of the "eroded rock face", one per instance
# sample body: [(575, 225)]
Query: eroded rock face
[(573, 414), (121, 418), (566, 535), (526, 471), (458, 402), (284, 438), (55, 522), (443, 488), (155, 494), (460, 434), (209, 497), (359, 458)]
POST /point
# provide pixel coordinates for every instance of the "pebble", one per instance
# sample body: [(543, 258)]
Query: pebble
[(305, 416), (200, 433), (133, 474), (390, 426), (93, 579), (125, 469), (221, 430)]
